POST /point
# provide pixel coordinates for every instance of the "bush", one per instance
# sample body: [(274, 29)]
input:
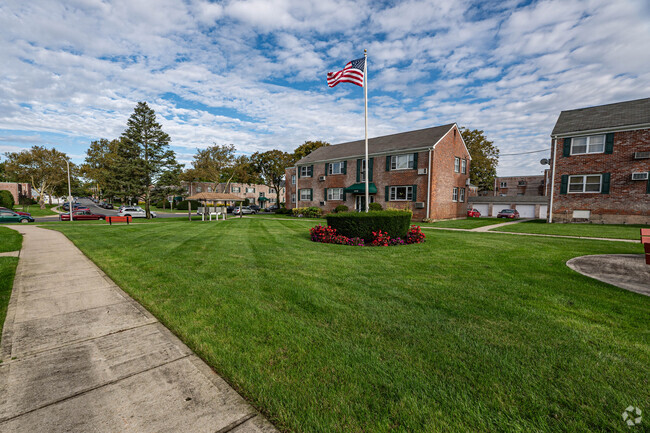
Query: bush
[(283, 211), (307, 212), (328, 235), (183, 205), (374, 207), (341, 208), (394, 224), (6, 199)]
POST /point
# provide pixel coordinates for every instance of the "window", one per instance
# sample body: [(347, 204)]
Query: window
[(293, 179), (261, 194), (272, 200), (462, 195), (336, 168), (198, 189), (522, 183), (463, 166), (305, 195), (401, 193), (454, 196), (503, 184), (272, 191), (591, 144), (457, 164), (402, 162), (304, 171), (209, 189), (335, 194), (362, 170), (586, 183), (235, 189), (293, 198), (250, 189)]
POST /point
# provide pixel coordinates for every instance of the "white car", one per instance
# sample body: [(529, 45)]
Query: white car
[(135, 212)]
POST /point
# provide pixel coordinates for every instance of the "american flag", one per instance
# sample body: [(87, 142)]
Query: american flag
[(352, 73)]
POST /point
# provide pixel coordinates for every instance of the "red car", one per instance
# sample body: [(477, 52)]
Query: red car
[(15, 211), (473, 213), (508, 213), (81, 215)]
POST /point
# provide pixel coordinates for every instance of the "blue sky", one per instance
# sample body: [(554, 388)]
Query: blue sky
[(252, 72)]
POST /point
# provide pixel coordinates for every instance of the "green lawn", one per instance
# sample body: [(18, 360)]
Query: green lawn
[(466, 332), (36, 210), (10, 240), (7, 272), (613, 231), (465, 223)]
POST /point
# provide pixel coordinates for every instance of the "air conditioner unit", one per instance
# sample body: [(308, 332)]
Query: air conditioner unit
[(422, 171), (321, 178), (419, 205), (643, 175), (641, 155)]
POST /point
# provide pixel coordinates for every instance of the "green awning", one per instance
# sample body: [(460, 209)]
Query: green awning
[(360, 188), (263, 199)]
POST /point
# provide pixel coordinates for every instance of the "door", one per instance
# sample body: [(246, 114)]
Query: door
[(543, 211), (526, 210), (360, 202), (483, 208)]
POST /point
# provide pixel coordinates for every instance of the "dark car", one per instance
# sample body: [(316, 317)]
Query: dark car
[(81, 215), (75, 206), (255, 207), (473, 213), (272, 208), (508, 213), (15, 211), (9, 216)]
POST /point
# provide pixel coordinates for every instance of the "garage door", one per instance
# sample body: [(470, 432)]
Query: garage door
[(543, 209), (526, 210), (483, 208), (497, 207)]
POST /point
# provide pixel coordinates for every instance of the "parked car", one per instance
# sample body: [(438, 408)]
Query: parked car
[(18, 212), (81, 215), (135, 212), (255, 207), (508, 213), (107, 206), (9, 216), (473, 213), (245, 210), (272, 208)]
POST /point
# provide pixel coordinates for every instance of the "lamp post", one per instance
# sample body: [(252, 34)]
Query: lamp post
[(67, 162)]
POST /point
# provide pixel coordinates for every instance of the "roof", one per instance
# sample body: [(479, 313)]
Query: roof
[(618, 115), (421, 138), (214, 196)]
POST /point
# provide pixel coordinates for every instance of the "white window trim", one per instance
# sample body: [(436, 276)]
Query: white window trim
[(331, 168), (306, 198), (456, 164), (392, 192), (409, 161), (588, 137), (236, 189), (463, 166), (330, 195), (293, 179), (304, 168), (584, 184), (461, 195), (503, 184), (293, 198), (454, 195)]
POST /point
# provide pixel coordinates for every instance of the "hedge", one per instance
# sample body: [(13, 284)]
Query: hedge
[(6, 199), (362, 224), (183, 205)]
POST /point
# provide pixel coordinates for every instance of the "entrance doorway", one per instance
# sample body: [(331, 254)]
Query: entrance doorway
[(360, 202)]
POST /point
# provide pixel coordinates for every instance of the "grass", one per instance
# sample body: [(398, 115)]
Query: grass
[(612, 231), (36, 210), (10, 240), (466, 332), (465, 223), (7, 272)]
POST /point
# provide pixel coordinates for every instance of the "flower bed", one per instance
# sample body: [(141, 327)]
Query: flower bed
[(328, 235)]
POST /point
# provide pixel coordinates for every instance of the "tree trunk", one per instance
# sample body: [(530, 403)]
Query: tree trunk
[(147, 203)]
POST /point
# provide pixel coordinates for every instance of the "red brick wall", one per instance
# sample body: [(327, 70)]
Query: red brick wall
[(627, 201)]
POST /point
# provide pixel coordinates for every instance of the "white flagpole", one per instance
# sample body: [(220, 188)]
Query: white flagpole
[(365, 97)]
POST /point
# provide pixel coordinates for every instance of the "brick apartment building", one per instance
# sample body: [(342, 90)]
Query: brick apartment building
[(512, 186), (256, 194), (602, 164), (17, 190), (426, 171)]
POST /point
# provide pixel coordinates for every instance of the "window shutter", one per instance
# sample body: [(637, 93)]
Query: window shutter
[(388, 163), (609, 143), (647, 188), (564, 185), (310, 171), (415, 193), (387, 193), (327, 168), (345, 167), (311, 194), (371, 163), (358, 170), (605, 186), (344, 194), (567, 147), (298, 172), (325, 195), (415, 161)]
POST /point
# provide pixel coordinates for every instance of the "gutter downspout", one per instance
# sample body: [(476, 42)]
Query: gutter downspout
[(429, 186), (296, 174), (550, 211)]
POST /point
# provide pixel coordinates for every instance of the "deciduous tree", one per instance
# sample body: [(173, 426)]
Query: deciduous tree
[(485, 157), (306, 148), (270, 166), (212, 164)]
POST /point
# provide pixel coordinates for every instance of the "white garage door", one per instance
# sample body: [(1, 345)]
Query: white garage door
[(497, 207), (526, 210), (543, 209), (483, 208)]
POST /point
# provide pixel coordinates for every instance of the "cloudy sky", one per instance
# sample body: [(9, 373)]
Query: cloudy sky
[(253, 72)]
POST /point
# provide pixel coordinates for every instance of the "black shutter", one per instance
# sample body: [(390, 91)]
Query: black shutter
[(415, 161), (564, 185), (647, 188), (311, 194), (567, 147), (605, 186), (415, 193), (388, 163), (344, 196), (325, 195), (298, 168), (310, 171), (387, 193), (327, 168), (358, 170), (372, 160), (345, 167), (609, 143)]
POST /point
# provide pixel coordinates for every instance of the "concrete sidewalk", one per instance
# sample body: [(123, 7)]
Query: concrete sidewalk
[(79, 355)]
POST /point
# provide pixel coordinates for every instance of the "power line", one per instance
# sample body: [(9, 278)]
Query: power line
[(526, 153)]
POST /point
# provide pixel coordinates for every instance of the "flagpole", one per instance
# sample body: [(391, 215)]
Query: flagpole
[(365, 97)]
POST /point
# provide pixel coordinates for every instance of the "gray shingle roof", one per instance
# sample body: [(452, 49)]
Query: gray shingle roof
[(395, 142), (616, 115)]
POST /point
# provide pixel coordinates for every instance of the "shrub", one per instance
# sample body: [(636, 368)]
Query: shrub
[(307, 212), (283, 211), (183, 205), (415, 235), (6, 199), (394, 224), (341, 208), (374, 207)]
